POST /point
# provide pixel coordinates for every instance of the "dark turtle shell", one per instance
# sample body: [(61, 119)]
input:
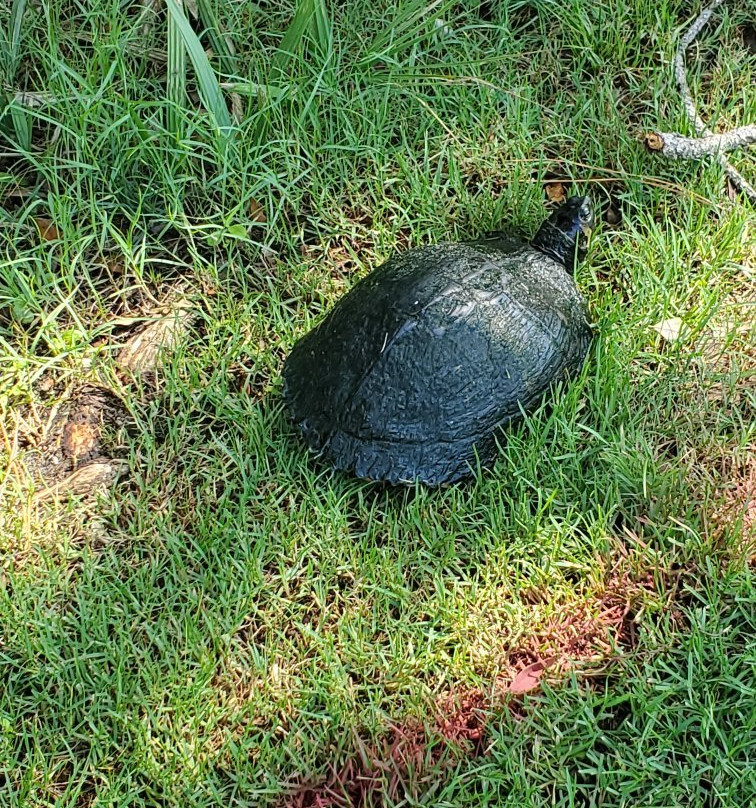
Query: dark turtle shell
[(412, 372)]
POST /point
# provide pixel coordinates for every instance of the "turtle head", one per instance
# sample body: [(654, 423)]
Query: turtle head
[(564, 235)]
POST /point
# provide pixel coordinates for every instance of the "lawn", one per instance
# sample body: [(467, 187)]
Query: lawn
[(225, 621)]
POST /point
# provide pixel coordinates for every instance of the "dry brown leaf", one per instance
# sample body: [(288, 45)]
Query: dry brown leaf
[(103, 471), (141, 354), (669, 329), (256, 212), (237, 107), (530, 678), (556, 192), (731, 190), (47, 230), (79, 439)]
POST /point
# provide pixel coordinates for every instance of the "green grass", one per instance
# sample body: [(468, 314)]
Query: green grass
[(234, 619)]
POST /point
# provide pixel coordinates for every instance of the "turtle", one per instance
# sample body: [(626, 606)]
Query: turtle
[(412, 374)]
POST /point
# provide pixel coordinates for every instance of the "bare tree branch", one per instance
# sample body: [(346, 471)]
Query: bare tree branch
[(673, 145), (682, 80), (678, 147)]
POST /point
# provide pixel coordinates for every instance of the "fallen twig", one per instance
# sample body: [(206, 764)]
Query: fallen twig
[(676, 146), (693, 148)]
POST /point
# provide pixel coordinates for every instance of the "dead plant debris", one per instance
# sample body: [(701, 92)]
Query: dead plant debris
[(47, 229), (556, 192), (99, 473), (669, 329), (397, 765), (734, 518), (71, 446), (530, 678), (411, 754), (256, 211), (75, 430), (144, 351), (462, 717)]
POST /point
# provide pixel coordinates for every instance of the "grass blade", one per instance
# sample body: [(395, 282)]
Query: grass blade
[(176, 78), (9, 47), (292, 38), (220, 42), (209, 87), (407, 26), (21, 125), (17, 13), (321, 26)]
